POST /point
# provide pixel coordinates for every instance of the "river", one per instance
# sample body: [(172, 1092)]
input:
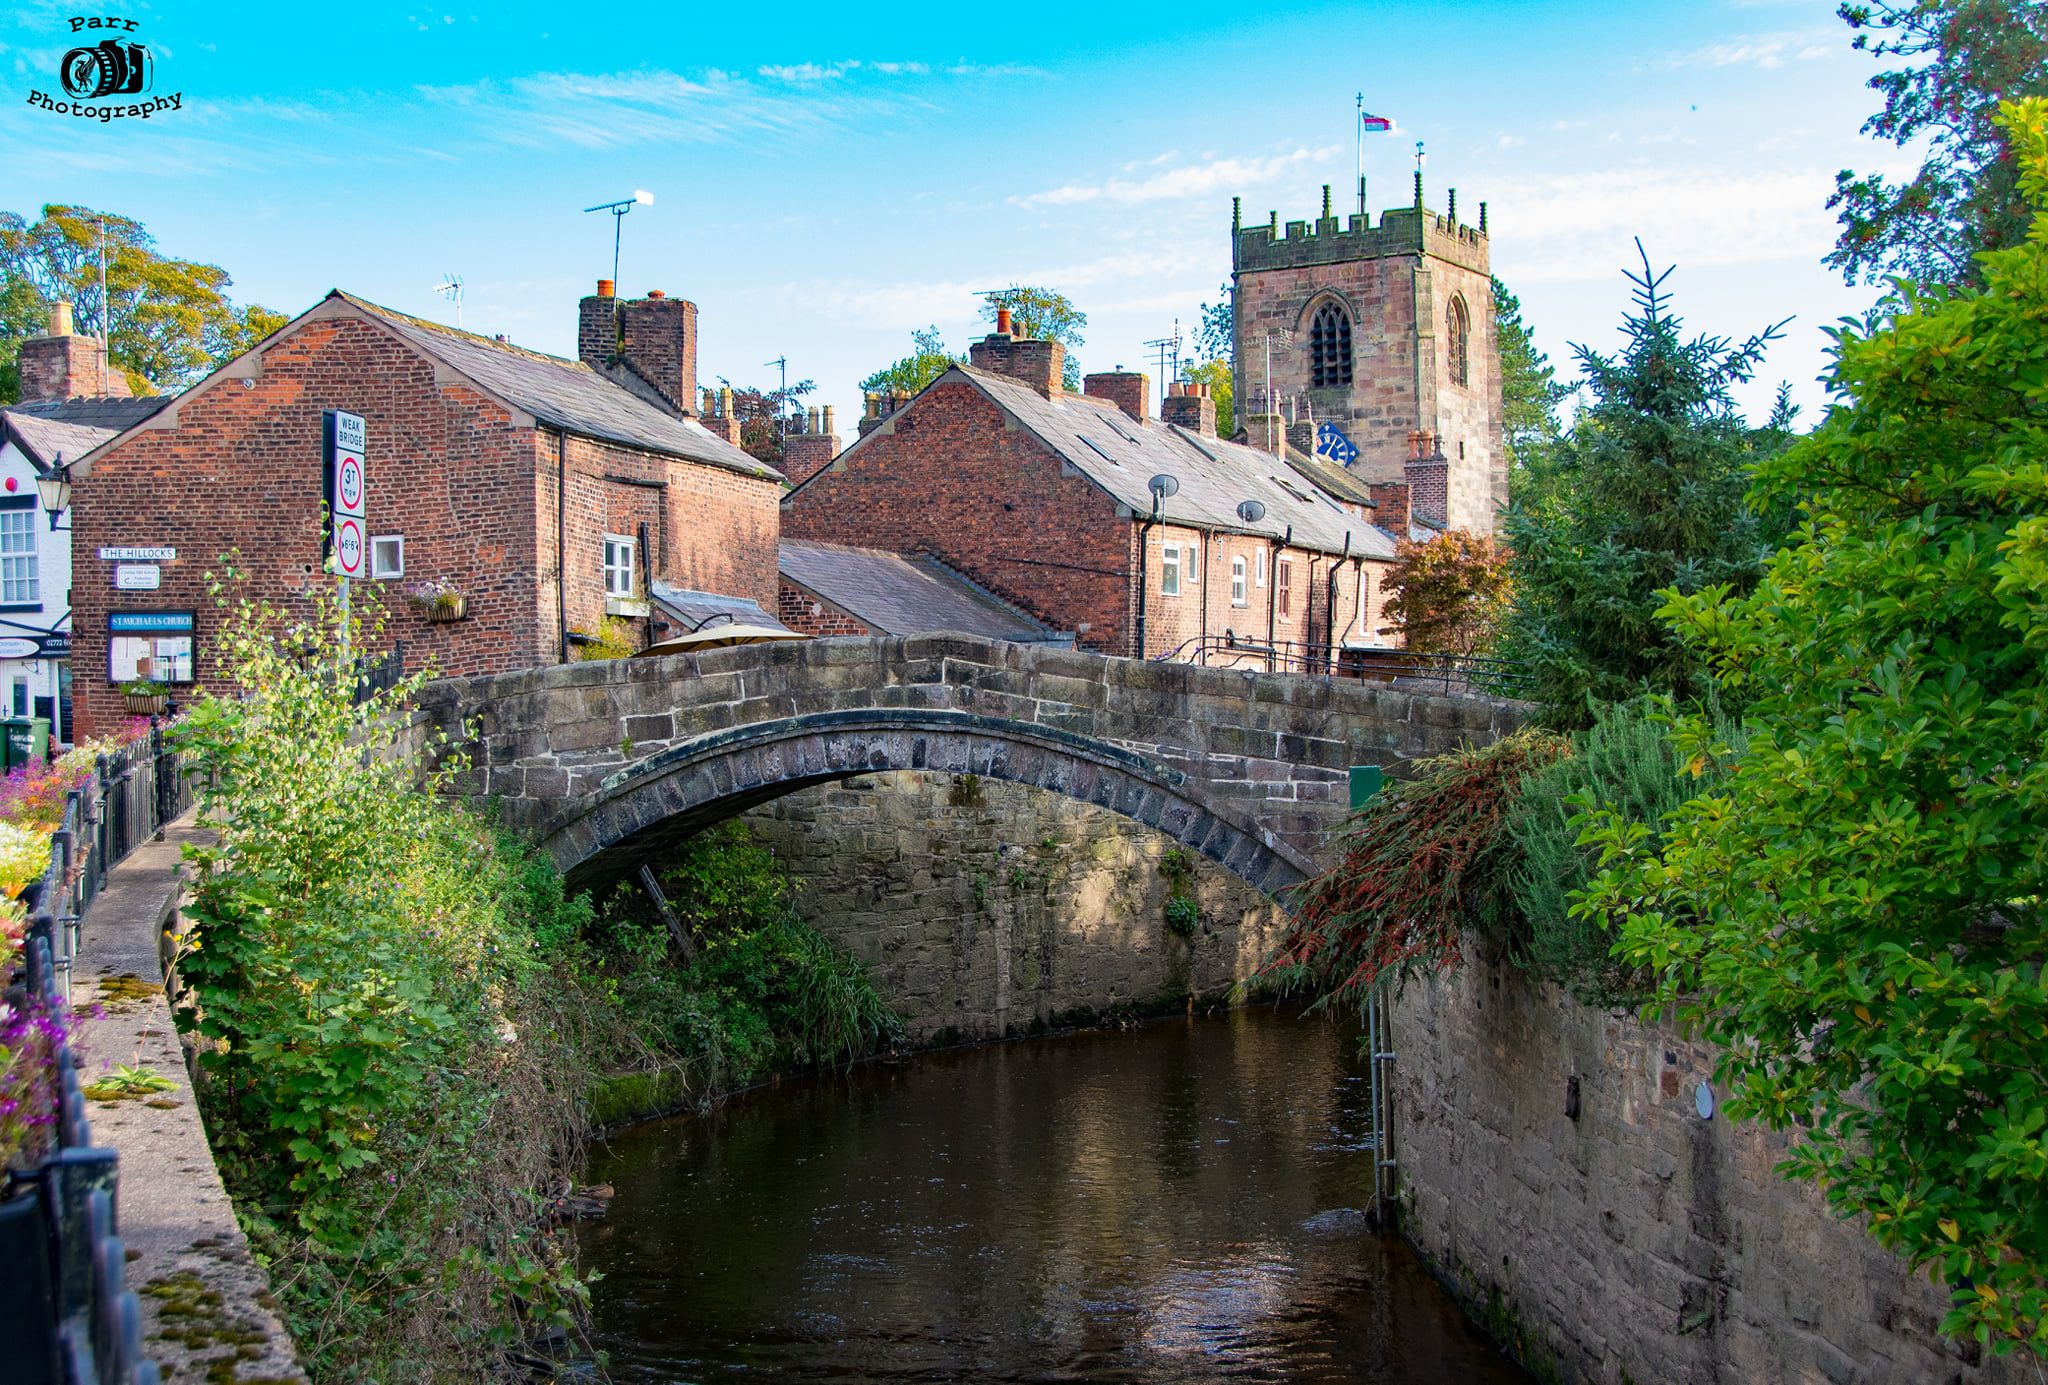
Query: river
[(1142, 1206)]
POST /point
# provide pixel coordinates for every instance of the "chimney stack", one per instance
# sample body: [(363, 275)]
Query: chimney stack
[(656, 336), (1040, 364), (806, 454), (1429, 478), (1129, 390), (64, 365), (1390, 506), (1191, 407)]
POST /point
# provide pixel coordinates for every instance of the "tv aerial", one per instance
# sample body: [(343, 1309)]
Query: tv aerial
[(450, 288)]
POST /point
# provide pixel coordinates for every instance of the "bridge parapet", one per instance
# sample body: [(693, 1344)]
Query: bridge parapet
[(606, 762)]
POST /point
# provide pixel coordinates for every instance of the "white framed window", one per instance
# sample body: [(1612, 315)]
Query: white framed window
[(18, 557), (618, 565), (1193, 567), (1240, 594), (1259, 568), (1169, 569), (387, 556)]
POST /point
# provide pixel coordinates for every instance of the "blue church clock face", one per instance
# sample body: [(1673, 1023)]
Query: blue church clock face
[(1331, 443)]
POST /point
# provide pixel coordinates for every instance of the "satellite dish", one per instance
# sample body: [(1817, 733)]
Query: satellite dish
[(1250, 511), (1163, 486)]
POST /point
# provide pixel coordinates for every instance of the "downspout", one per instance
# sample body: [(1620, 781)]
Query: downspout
[(1145, 527), (1273, 600), (561, 543), (1208, 542), (647, 579), (1330, 598), (1308, 612)]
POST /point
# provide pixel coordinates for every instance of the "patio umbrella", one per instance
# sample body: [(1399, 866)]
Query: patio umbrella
[(718, 637)]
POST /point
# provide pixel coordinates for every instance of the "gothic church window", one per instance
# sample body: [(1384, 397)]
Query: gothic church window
[(1329, 347), (1460, 343)]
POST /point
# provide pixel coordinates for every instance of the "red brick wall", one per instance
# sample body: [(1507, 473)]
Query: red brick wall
[(800, 610), (947, 476), (66, 367), (1172, 621), (241, 469)]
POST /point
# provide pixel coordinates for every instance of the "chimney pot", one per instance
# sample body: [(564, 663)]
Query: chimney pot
[(604, 288), (826, 418), (725, 401), (1003, 323), (60, 319), (656, 293)]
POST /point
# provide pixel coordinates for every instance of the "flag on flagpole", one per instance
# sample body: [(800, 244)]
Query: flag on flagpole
[(1375, 124)]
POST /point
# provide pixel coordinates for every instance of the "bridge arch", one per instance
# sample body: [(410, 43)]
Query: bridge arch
[(650, 804)]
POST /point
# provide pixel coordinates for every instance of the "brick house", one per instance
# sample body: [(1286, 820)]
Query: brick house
[(71, 402), (550, 492), (1048, 500)]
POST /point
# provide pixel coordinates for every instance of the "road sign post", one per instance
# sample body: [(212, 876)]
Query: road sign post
[(347, 543)]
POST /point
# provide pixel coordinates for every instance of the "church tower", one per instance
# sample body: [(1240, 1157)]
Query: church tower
[(1385, 331)]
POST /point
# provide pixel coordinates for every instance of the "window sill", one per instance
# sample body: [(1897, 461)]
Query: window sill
[(626, 606)]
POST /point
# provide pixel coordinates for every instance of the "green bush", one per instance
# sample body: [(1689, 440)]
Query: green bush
[(387, 1075), (766, 991), (1624, 761)]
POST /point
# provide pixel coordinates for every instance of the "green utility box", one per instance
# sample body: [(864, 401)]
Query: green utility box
[(28, 739), (1365, 782)]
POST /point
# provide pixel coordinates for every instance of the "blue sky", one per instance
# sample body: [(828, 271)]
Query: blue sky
[(828, 180)]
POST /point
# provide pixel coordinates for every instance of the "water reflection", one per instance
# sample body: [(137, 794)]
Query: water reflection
[(1134, 1207)]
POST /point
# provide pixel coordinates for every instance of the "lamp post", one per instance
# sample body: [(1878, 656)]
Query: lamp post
[(53, 487), (641, 198)]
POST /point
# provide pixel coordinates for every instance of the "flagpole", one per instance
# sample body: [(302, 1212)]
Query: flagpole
[(1358, 141)]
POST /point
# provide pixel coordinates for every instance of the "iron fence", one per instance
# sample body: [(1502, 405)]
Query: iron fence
[(1441, 673), (65, 1312), (380, 673)]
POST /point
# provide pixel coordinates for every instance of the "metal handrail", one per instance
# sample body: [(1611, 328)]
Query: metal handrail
[(1448, 673), (73, 1321)]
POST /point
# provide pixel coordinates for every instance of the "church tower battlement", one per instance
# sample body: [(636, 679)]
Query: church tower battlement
[(1384, 329)]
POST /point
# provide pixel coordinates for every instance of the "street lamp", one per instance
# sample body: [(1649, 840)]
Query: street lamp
[(54, 488)]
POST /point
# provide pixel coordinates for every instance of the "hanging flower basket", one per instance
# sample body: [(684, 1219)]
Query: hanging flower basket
[(438, 601), (145, 699)]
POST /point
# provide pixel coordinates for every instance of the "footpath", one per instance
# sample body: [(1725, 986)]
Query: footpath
[(207, 1313)]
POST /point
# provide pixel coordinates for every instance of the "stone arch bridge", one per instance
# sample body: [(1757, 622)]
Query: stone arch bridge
[(605, 763)]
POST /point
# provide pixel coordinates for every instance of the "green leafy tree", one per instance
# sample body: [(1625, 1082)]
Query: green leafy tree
[(1855, 913), (1045, 314), (1216, 375), (1649, 495), (1960, 59), (1530, 395), (172, 320), (23, 314), (1216, 334), (927, 361), (762, 414)]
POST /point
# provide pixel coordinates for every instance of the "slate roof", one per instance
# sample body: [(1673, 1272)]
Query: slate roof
[(565, 394), (1119, 455), (904, 594), (692, 608), (70, 428)]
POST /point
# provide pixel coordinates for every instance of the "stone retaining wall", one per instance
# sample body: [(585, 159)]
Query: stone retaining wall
[(1637, 1242), (984, 908)]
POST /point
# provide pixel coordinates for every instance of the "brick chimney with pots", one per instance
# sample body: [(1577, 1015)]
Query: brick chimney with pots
[(1191, 407), (657, 336), (719, 415), (806, 454), (1039, 364), (64, 365), (1129, 390), (1429, 478)]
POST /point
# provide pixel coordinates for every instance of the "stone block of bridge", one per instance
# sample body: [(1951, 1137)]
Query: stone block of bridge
[(606, 762)]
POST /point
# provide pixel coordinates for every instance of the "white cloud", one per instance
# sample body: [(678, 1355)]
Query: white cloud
[(1752, 50), (1192, 180)]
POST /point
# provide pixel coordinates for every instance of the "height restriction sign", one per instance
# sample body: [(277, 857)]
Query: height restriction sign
[(347, 549)]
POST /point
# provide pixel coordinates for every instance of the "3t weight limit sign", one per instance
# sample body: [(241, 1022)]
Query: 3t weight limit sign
[(346, 549)]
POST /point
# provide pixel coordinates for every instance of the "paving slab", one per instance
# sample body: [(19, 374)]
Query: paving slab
[(205, 1302)]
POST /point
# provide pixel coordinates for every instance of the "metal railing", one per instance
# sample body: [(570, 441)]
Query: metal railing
[(1440, 673), (379, 673), (65, 1312)]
